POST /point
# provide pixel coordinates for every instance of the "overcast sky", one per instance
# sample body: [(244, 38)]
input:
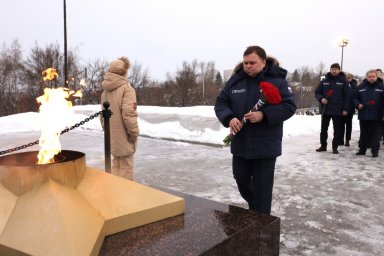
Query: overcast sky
[(161, 34)]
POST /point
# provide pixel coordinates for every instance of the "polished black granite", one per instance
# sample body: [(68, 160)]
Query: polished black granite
[(206, 228)]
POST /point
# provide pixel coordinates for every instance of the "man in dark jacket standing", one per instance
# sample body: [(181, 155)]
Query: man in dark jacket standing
[(347, 120), (334, 96), (369, 101), (257, 139)]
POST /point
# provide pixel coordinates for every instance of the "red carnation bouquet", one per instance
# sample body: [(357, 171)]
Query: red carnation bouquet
[(268, 94)]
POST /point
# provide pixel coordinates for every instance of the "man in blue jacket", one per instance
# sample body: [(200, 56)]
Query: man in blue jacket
[(334, 96), (257, 140), (369, 101)]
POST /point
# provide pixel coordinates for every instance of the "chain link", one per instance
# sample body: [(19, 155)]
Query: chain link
[(7, 151)]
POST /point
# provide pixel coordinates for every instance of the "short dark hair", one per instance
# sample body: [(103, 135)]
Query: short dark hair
[(256, 49), (335, 65)]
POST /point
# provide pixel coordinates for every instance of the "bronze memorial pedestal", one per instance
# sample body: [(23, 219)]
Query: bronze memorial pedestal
[(67, 208)]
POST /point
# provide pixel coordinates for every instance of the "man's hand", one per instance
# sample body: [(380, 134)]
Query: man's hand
[(324, 101), (345, 113), (254, 117), (235, 125)]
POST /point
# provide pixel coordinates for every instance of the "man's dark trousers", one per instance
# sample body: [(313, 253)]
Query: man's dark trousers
[(337, 121), (254, 178)]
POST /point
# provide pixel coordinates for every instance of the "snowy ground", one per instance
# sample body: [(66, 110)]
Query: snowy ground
[(328, 204)]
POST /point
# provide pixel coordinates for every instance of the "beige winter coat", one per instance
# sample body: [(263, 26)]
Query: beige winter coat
[(123, 123)]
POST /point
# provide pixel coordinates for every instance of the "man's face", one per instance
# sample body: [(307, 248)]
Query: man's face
[(253, 64), (335, 71), (372, 77)]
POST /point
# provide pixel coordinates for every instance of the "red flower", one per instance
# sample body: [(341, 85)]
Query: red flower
[(270, 92), (371, 102), (329, 93)]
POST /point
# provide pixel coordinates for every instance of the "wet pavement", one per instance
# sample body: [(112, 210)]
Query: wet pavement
[(328, 204)]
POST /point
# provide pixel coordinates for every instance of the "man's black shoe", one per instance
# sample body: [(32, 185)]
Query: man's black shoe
[(360, 153), (335, 151), (375, 154), (347, 143), (321, 149)]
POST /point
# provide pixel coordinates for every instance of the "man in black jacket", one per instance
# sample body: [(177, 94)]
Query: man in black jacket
[(347, 120), (258, 133), (334, 96)]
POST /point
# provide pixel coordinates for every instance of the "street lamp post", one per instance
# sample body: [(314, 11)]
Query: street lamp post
[(203, 89), (343, 43)]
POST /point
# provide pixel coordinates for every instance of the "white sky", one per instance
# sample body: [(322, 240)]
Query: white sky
[(161, 34), (198, 124)]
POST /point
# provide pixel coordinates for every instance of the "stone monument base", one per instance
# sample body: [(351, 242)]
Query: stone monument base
[(206, 228)]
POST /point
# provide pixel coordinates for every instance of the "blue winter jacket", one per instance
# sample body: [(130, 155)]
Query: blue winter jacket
[(372, 98), (336, 90), (239, 96)]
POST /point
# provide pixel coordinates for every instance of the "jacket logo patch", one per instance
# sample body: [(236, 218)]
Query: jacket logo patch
[(238, 91)]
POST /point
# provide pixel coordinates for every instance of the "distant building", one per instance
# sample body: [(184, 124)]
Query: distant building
[(298, 86)]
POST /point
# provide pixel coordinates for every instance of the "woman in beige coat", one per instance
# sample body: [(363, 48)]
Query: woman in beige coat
[(123, 123)]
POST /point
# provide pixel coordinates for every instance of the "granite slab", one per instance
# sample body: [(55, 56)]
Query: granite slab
[(206, 228)]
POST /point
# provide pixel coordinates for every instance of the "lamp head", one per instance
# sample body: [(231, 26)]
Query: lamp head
[(343, 42)]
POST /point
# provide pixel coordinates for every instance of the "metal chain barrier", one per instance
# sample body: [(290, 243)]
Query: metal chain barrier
[(7, 151)]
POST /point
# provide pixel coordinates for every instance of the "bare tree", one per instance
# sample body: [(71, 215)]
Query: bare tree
[(308, 81), (207, 82), (11, 86), (153, 94), (93, 75), (41, 59), (185, 81), (139, 79), (320, 70), (192, 84)]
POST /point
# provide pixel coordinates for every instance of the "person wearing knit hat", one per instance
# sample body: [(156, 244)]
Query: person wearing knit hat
[(123, 123), (120, 66)]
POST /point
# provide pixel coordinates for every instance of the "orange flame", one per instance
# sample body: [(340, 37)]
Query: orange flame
[(77, 94), (55, 115), (49, 74)]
